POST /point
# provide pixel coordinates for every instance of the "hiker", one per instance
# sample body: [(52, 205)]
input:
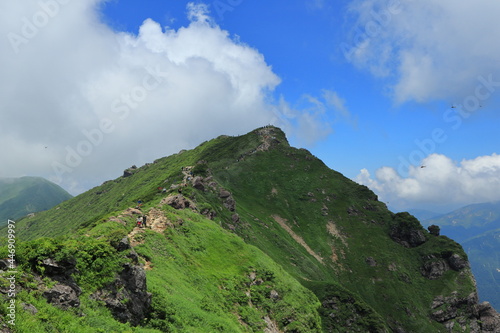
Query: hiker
[(144, 218), (139, 222)]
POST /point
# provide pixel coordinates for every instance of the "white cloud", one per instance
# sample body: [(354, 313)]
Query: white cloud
[(439, 182), (312, 119), (427, 49), (101, 101)]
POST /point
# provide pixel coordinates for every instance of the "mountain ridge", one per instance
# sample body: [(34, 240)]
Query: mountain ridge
[(368, 268), (27, 195)]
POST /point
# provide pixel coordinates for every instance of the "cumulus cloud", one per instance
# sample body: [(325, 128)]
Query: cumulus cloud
[(439, 182), (80, 102), (426, 49)]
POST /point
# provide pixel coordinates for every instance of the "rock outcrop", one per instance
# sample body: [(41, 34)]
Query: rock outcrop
[(407, 231), (464, 314), (62, 296), (66, 292), (127, 296), (178, 202), (436, 265)]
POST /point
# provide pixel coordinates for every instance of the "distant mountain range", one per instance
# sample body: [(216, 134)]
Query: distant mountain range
[(477, 228), (22, 196)]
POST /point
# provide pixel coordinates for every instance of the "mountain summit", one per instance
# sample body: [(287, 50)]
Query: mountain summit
[(28, 195), (243, 234)]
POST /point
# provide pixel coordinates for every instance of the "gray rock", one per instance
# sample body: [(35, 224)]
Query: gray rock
[(230, 204), (198, 183), (123, 244), (457, 263), (490, 319), (30, 308), (464, 311), (274, 295), (177, 201), (62, 296), (223, 194), (127, 296), (371, 262), (434, 268)]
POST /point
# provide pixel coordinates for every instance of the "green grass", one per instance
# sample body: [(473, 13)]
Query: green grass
[(331, 228)]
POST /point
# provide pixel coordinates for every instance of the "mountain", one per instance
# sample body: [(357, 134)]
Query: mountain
[(469, 221), (423, 215), (477, 228), (244, 234), (22, 196), (484, 254)]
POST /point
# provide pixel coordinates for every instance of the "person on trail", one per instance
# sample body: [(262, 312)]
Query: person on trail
[(139, 222), (144, 218)]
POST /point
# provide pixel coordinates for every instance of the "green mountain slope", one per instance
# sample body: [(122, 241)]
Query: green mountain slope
[(200, 278), (247, 234), (22, 196)]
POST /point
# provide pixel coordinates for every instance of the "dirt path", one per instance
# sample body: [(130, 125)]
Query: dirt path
[(155, 220)]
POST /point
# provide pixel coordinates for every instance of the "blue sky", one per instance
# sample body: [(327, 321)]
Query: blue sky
[(375, 89)]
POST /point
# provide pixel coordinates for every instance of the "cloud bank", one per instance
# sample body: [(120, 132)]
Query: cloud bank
[(426, 49), (439, 183), (80, 102)]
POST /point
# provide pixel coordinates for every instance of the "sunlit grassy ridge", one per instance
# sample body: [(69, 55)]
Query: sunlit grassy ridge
[(318, 244)]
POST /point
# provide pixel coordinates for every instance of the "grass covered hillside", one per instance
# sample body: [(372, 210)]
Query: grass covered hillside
[(245, 234), (22, 196)]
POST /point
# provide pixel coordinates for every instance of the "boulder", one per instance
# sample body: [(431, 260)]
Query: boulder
[(371, 262), (223, 194), (407, 230), (230, 204), (30, 308), (177, 201), (198, 183), (490, 319), (62, 296), (457, 263), (434, 268), (123, 244)]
